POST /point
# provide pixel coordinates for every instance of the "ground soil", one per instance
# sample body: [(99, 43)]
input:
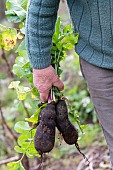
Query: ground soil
[(97, 156)]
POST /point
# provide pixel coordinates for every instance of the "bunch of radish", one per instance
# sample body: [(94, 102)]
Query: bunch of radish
[(55, 114)]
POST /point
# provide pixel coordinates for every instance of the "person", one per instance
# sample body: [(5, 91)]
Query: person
[(93, 19)]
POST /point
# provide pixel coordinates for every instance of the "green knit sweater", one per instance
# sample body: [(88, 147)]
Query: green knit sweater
[(93, 19)]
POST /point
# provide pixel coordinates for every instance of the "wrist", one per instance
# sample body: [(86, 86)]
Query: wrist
[(43, 69)]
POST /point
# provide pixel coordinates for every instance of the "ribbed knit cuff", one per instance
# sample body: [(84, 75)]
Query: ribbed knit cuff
[(40, 63)]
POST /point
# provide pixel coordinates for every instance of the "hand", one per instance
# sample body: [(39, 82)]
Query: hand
[(44, 79)]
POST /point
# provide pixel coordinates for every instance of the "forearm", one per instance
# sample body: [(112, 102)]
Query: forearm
[(40, 23)]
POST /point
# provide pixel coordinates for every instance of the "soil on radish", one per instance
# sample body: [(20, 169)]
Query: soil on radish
[(45, 134)]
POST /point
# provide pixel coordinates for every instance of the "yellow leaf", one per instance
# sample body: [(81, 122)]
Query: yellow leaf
[(21, 91), (33, 96), (14, 84), (21, 96), (9, 38), (20, 36)]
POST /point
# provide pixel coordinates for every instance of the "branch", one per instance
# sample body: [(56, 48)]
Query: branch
[(16, 158), (27, 112), (8, 66), (25, 160), (6, 125), (40, 166)]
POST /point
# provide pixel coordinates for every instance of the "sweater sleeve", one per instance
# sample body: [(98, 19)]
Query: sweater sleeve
[(40, 23)]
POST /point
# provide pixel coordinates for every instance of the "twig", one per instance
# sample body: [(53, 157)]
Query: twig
[(25, 162), (5, 123), (8, 66), (16, 158), (38, 167), (27, 112), (3, 129)]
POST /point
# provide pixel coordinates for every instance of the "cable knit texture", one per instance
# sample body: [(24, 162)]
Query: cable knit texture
[(41, 18), (93, 19)]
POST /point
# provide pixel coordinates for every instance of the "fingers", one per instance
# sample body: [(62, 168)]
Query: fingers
[(59, 84), (43, 89), (44, 96)]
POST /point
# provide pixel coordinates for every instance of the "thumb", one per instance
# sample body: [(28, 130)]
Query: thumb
[(59, 84)]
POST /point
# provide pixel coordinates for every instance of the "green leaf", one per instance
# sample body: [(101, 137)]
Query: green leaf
[(13, 164), (34, 117), (26, 137), (34, 93), (31, 152), (21, 13), (84, 127), (59, 72), (16, 165), (21, 46), (21, 127), (16, 10), (22, 67), (58, 25), (23, 140), (68, 46), (21, 166), (20, 61), (18, 70), (56, 34), (29, 155), (23, 53), (59, 45), (27, 66), (12, 17), (26, 141), (68, 29), (19, 149)]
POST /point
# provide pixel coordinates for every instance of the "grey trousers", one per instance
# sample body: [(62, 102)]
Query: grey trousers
[(100, 84)]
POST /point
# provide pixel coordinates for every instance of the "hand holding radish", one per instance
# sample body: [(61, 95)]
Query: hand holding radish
[(44, 79), (55, 113)]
